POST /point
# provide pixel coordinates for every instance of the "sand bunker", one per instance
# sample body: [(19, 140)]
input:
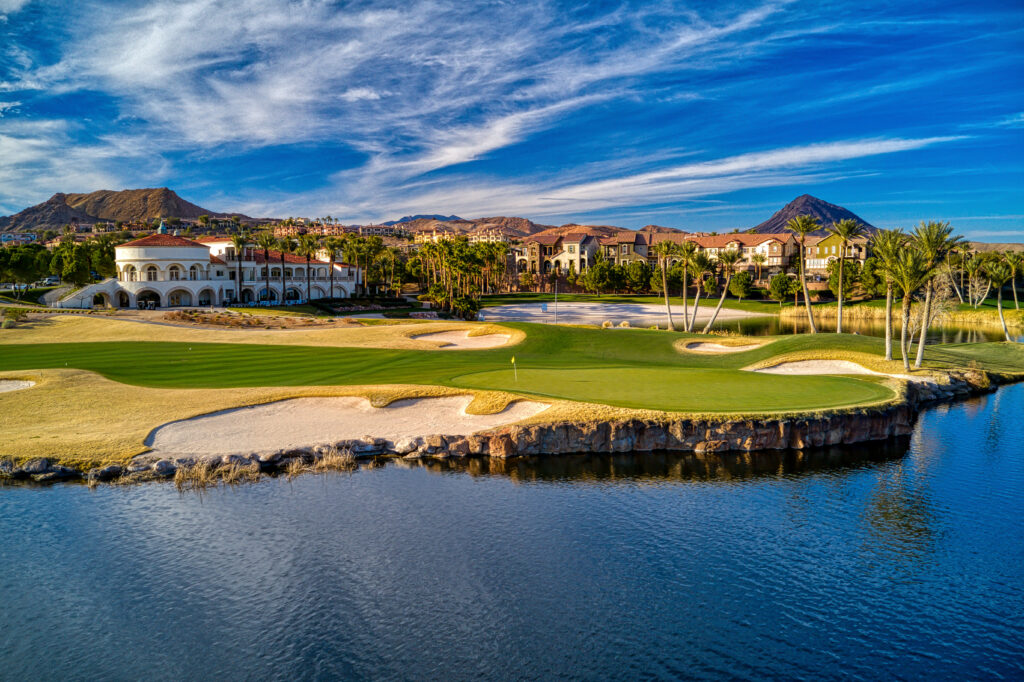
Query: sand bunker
[(460, 340), (14, 385), (705, 347), (830, 367), (302, 422)]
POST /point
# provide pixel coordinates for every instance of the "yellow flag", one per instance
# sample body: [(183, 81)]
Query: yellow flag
[(513, 359)]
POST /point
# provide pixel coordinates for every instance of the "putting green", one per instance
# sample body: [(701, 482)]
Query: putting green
[(682, 390)]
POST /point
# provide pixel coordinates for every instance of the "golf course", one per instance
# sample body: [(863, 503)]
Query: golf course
[(96, 400)]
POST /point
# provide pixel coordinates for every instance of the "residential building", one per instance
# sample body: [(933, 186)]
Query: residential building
[(168, 271), (821, 251)]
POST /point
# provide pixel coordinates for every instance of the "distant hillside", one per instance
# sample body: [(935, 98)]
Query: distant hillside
[(410, 218), (509, 226), (106, 205), (805, 204), (1004, 246)]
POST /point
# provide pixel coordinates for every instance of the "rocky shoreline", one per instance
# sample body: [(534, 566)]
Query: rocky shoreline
[(704, 435)]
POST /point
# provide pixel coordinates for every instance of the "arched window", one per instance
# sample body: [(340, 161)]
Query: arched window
[(129, 273), (151, 273), (175, 273), (194, 272)]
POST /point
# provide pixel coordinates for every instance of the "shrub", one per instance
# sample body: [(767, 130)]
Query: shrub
[(624, 324), (607, 324), (8, 324)]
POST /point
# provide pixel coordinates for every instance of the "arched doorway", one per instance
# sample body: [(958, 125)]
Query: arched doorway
[(292, 296), (246, 295), (205, 297), (148, 298), (123, 300), (179, 297), (268, 296), (101, 300)]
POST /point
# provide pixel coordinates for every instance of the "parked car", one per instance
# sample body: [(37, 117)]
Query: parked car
[(51, 281)]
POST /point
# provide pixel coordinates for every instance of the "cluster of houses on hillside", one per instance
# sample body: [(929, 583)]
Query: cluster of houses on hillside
[(547, 253)]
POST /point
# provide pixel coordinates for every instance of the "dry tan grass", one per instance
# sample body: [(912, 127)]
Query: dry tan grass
[(295, 467), (334, 459), (80, 329), (83, 419)]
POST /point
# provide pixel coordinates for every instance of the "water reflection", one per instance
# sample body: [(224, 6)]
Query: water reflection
[(673, 466)]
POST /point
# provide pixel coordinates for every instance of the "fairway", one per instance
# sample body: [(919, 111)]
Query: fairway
[(682, 390)]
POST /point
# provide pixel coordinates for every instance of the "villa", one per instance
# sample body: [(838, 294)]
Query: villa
[(164, 270)]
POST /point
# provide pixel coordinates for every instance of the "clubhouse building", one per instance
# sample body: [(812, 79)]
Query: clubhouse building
[(164, 270)]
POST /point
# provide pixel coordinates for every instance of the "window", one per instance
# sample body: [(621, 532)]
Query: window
[(151, 273), (572, 249), (624, 249), (175, 273)]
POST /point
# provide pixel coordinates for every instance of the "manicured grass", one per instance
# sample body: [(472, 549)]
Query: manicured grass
[(27, 296), (759, 306), (635, 368), (301, 310)]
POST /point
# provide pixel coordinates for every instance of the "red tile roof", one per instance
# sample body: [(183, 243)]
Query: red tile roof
[(161, 240), (215, 260), (546, 239), (576, 237)]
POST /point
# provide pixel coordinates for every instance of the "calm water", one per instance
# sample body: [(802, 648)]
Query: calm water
[(763, 326), (875, 562)]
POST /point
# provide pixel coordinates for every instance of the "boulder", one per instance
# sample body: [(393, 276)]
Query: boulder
[(106, 473), (57, 473), (33, 467), (164, 467)]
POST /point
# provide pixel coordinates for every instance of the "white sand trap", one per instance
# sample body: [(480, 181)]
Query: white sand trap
[(460, 340), (302, 422), (705, 347), (831, 367), (14, 385)]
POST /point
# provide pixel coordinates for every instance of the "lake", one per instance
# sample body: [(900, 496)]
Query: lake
[(942, 333), (899, 560)]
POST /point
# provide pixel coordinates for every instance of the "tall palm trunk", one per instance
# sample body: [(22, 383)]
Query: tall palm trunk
[(904, 342), (999, 307), (266, 271), (839, 310), (331, 277), (721, 300), (284, 285), (888, 321), (686, 307), (664, 289), (239, 270), (803, 283), (309, 290), (696, 304), (925, 319), (1013, 283)]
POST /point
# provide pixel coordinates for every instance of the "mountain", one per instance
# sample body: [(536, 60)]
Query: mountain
[(106, 205), (410, 218), (805, 204), (508, 225)]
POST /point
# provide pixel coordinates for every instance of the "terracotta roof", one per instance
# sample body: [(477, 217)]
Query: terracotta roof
[(546, 239), (161, 240), (721, 240), (215, 260), (577, 237)]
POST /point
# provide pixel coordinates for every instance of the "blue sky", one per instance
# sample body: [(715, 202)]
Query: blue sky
[(694, 115)]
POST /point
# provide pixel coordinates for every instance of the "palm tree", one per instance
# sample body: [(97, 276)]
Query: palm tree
[(332, 244), (886, 245), (847, 230), (934, 240), (1015, 259), (687, 250), (701, 265), (999, 273), (284, 246), (728, 260), (910, 271), (266, 241), (665, 250), (308, 247), (239, 241), (759, 259), (803, 225)]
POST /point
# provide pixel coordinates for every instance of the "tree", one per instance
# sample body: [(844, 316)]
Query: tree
[(1015, 259), (333, 245), (999, 273), (910, 271), (528, 281), (665, 250), (851, 276), (637, 276), (266, 241), (700, 265), (803, 225), (239, 242), (727, 260), (741, 285), (598, 276), (778, 287), (308, 247), (284, 246), (846, 230), (887, 245), (759, 259), (686, 254), (76, 267), (934, 240)]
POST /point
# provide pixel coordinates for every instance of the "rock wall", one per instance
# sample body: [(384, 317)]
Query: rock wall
[(620, 436)]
